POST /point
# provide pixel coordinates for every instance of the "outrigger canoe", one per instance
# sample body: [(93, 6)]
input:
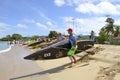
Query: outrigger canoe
[(58, 50), (35, 43)]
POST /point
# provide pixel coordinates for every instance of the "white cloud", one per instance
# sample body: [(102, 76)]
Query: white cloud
[(87, 8), (100, 8), (108, 7), (59, 2), (22, 26), (4, 26), (78, 2), (42, 26), (42, 15), (117, 22), (104, 7), (49, 23), (116, 1), (85, 25), (69, 2), (29, 20), (68, 19)]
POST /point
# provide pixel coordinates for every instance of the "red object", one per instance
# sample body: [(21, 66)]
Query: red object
[(118, 37), (70, 29)]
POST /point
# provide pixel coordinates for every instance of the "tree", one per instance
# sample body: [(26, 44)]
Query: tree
[(3, 39), (117, 31), (35, 37), (109, 27), (52, 34), (102, 36), (26, 38), (16, 37), (108, 31), (8, 37)]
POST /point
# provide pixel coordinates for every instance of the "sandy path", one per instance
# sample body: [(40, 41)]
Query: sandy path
[(14, 67)]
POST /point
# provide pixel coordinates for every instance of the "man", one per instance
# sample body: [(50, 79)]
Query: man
[(73, 46), (60, 37), (92, 35)]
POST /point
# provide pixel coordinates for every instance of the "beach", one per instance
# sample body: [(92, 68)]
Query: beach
[(14, 67), (103, 65)]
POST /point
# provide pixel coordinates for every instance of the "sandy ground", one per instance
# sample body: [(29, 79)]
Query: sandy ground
[(14, 67), (103, 65)]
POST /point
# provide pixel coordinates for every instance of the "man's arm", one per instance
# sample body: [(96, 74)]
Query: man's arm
[(75, 43)]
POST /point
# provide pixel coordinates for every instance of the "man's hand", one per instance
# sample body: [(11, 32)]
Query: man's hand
[(73, 48)]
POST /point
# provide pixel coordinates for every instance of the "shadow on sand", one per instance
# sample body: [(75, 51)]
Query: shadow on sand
[(50, 71)]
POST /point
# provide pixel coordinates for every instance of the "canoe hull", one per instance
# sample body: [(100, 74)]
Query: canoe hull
[(51, 52)]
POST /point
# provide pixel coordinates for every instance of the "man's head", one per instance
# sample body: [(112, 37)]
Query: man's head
[(70, 31), (59, 34)]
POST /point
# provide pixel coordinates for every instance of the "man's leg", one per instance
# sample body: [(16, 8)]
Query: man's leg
[(74, 59), (74, 54), (71, 59)]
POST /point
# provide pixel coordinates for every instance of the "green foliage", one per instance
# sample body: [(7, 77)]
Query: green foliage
[(52, 34), (110, 20), (102, 37), (105, 31), (35, 37), (4, 39), (84, 37), (16, 37), (9, 37), (13, 37), (26, 38), (109, 27), (117, 31)]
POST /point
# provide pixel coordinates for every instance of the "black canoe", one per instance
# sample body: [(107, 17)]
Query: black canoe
[(35, 43), (58, 50)]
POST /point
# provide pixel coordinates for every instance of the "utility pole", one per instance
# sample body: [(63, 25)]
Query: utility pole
[(73, 23)]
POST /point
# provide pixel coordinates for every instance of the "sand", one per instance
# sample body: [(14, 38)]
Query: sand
[(14, 67), (103, 65)]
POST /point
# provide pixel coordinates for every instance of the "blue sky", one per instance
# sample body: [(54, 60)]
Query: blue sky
[(38, 17)]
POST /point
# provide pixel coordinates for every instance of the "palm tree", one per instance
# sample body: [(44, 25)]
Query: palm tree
[(108, 31), (109, 27), (117, 30)]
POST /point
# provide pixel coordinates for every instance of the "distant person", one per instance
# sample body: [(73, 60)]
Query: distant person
[(60, 37), (73, 46), (38, 40), (92, 36), (10, 42), (48, 40)]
